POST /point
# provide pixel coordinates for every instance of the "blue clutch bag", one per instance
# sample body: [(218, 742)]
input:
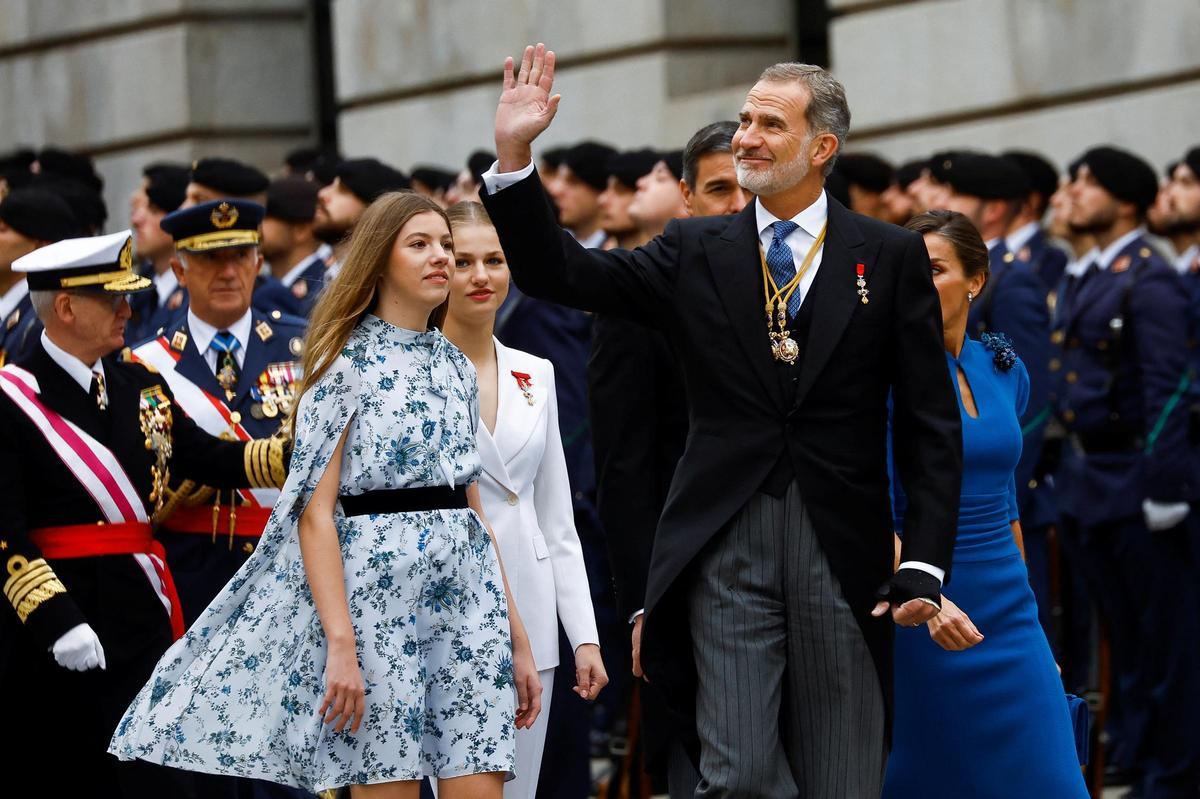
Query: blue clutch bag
[(1081, 723)]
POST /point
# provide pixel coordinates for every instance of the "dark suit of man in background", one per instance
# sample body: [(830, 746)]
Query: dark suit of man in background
[(761, 612)]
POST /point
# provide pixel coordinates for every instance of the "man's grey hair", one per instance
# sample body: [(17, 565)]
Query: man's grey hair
[(43, 303), (827, 110), (714, 138)]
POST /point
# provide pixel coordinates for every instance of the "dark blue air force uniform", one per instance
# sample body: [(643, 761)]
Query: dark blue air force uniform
[(19, 332), (1120, 390)]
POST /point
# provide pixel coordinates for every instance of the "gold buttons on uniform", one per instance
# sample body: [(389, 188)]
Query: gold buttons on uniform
[(1072, 377), (235, 418), (1033, 483), (1057, 337), (512, 499), (1068, 415), (248, 547), (1055, 364)]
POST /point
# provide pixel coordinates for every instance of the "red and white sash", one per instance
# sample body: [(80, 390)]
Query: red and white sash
[(209, 412), (93, 465)]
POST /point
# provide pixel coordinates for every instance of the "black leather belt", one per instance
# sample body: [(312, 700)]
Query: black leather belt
[(404, 500)]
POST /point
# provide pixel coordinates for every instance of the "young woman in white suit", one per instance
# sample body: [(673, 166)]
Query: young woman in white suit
[(524, 486)]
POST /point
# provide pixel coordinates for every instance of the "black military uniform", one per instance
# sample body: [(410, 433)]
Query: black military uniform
[(82, 473)]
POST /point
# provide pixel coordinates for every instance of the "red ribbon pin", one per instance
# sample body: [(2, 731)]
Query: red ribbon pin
[(861, 282), (525, 383)]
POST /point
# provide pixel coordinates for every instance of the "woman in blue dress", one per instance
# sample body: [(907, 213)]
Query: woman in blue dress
[(367, 640), (979, 707)]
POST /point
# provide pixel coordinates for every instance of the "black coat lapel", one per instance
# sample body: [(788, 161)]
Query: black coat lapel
[(64, 396), (733, 259), (835, 293)]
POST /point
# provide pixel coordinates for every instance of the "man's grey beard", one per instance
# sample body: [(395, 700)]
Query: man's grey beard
[(778, 178)]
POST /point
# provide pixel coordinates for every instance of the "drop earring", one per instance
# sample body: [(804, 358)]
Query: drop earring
[(970, 297)]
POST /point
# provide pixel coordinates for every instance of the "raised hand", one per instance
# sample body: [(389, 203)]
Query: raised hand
[(525, 108)]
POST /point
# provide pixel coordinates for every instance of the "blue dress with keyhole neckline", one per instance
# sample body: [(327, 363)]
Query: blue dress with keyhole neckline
[(990, 721)]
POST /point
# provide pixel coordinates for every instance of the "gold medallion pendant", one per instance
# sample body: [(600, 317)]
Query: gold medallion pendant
[(788, 350), (783, 347)]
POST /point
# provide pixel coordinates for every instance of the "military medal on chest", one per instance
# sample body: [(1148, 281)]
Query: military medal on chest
[(276, 390), (783, 347), (154, 417), (861, 281), (525, 383)]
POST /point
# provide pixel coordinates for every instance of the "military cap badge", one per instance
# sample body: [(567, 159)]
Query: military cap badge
[(224, 216)]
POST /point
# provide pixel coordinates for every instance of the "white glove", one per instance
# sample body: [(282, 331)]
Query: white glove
[(79, 649), (1164, 515)]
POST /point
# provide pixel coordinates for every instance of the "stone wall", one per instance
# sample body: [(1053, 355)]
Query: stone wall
[(417, 80), (1051, 75), (133, 81)]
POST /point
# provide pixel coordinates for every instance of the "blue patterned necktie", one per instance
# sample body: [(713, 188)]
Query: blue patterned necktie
[(225, 344), (782, 264)]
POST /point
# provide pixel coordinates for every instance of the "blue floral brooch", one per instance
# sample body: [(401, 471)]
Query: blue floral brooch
[(1003, 354)]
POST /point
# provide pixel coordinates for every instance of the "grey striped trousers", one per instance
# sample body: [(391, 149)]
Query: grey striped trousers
[(788, 701)]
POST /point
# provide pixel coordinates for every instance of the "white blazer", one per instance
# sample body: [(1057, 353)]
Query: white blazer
[(527, 499)]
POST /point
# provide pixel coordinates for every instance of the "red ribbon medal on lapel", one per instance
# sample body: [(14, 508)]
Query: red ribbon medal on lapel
[(863, 291), (525, 383)]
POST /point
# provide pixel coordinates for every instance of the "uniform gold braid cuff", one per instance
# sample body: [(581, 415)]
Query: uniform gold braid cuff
[(278, 470), (250, 456), (30, 584)]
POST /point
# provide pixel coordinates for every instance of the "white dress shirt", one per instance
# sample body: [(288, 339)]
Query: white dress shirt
[(1183, 262), (1020, 237), (12, 298), (809, 223), (1109, 254), (79, 371), (165, 284), (297, 270), (203, 333)]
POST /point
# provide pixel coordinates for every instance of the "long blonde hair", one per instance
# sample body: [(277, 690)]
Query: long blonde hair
[(353, 293)]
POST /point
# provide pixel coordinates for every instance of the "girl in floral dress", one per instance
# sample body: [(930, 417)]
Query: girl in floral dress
[(367, 640)]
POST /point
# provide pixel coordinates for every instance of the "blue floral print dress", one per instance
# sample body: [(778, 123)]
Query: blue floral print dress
[(239, 693)]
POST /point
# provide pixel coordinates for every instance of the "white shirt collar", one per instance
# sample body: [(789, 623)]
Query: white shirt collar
[(165, 284), (1077, 267), (593, 241), (811, 219), (297, 270), (1183, 262), (79, 371), (12, 298), (1109, 253), (990, 244), (203, 333), (1021, 236), (324, 252)]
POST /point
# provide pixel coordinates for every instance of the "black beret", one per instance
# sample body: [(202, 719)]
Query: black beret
[(1192, 159), (15, 167), (988, 177), (674, 161), (630, 165), (39, 214), (906, 173), (865, 169), (69, 166), (324, 169), (215, 225), (303, 159), (230, 177), (292, 199), (86, 204), (838, 187), (479, 162), (553, 157), (166, 185), (1122, 174), (940, 162), (434, 177), (589, 161), (367, 178), (1041, 174)]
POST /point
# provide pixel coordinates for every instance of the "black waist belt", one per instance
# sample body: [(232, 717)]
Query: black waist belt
[(1108, 442), (404, 500)]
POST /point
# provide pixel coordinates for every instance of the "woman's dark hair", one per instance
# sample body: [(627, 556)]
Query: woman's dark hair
[(957, 229)]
